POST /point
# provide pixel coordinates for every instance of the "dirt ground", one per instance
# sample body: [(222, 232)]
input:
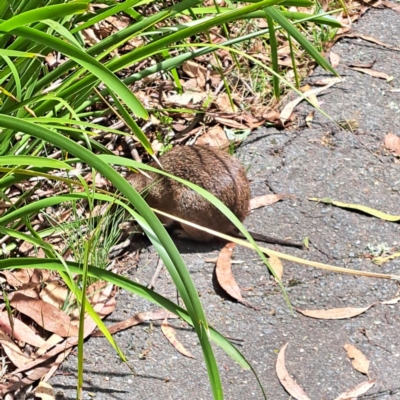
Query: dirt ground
[(321, 161)]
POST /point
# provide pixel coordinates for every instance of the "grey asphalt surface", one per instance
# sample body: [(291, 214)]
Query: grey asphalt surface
[(321, 161)]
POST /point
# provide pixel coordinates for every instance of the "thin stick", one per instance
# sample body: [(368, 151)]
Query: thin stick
[(282, 255)]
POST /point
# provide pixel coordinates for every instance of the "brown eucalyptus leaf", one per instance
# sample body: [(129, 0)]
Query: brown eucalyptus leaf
[(372, 72), (170, 334), (137, 319), (225, 278), (334, 313), (46, 315), (265, 200), (357, 390), (286, 380), (19, 331), (359, 361), (13, 352), (54, 293)]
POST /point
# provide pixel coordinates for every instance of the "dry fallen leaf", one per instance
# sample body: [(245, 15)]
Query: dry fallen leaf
[(21, 277), (19, 330), (50, 342), (393, 6), (286, 380), (265, 200), (357, 390), (361, 65), (277, 266), (334, 59), (359, 361), (391, 301), (372, 72), (46, 315), (225, 276), (392, 143), (136, 320), (102, 308), (13, 352), (223, 103), (45, 391), (195, 70), (312, 98), (382, 260), (214, 137), (170, 334), (367, 38), (358, 207), (289, 108), (186, 99), (54, 294), (334, 313)]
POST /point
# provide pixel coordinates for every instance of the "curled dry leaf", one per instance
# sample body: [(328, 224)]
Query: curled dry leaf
[(265, 200), (372, 72), (19, 330), (136, 320), (225, 278), (286, 380), (194, 70), (392, 143), (357, 390), (359, 360), (334, 313), (46, 315), (170, 334)]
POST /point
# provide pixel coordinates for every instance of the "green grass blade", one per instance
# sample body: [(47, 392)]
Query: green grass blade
[(88, 62), (48, 12), (34, 161), (274, 56), (105, 14), (130, 122), (292, 31)]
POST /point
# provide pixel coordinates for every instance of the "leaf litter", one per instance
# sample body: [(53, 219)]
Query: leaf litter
[(42, 324), (298, 393)]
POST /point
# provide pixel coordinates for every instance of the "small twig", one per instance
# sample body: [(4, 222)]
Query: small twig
[(160, 266)]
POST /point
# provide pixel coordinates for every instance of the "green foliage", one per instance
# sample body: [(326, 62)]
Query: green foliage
[(45, 110)]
